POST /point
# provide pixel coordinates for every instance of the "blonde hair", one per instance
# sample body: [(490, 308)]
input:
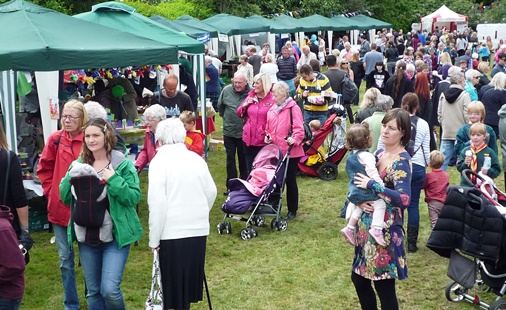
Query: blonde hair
[(79, 106), (187, 117), (265, 79), (315, 124), (370, 97), (478, 129), (436, 159), (477, 106)]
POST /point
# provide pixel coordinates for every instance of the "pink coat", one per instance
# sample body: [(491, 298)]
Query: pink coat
[(278, 126), (147, 153), (255, 114)]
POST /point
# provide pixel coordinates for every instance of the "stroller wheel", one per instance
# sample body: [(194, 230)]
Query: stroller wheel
[(499, 303), (220, 227), (282, 225), (228, 228), (327, 171), (274, 224), (454, 291), (245, 235), (253, 232), (260, 220)]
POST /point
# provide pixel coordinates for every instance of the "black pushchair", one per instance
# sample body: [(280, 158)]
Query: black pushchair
[(472, 221), (243, 199)]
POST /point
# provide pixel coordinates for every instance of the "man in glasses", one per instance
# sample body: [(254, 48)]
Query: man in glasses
[(230, 99)]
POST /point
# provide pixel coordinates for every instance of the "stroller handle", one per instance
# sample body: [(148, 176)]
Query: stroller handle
[(467, 172)]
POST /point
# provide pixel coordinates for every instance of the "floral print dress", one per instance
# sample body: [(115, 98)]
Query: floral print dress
[(371, 260)]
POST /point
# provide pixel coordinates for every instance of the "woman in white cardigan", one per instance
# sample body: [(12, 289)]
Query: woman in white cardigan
[(180, 195)]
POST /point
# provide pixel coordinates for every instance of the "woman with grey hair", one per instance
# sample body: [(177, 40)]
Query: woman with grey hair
[(472, 78), (382, 105), (96, 110), (285, 128), (181, 193), (494, 97), (153, 115), (368, 105)]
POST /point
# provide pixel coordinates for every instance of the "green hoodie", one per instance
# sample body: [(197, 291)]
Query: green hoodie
[(123, 193)]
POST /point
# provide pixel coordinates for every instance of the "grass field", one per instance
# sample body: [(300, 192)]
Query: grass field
[(306, 267)]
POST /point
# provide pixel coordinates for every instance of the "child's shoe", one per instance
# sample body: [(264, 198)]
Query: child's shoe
[(377, 234), (349, 235)]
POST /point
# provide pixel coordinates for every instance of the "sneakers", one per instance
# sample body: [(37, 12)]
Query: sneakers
[(225, 193), (349, 235), (377, 234)]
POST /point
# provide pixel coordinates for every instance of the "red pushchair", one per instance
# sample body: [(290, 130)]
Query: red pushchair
[(315, 162)]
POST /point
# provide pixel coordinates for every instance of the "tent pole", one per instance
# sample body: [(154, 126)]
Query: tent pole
[(8, 101)]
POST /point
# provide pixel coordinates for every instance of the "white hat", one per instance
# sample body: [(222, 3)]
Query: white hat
[(475, 56)]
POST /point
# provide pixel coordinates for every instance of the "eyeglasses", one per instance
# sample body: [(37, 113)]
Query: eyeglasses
[(344, 63), (70, 117), (476, 77)]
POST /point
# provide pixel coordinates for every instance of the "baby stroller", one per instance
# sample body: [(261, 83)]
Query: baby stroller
[(315, 162), (242, 199), (482, 238)]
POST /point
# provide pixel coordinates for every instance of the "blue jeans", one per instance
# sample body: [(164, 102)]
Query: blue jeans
[(417, 179), (103, 267), (68, 275), (10, 304), (448, 150), (311, 115)]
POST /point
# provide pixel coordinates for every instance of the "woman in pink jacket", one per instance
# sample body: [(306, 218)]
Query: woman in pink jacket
[(153, 115), (285, 127), (254, 112)]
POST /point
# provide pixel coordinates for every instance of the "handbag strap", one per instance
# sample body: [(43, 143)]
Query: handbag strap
[(7, 175), (291, 123), (156, 281)]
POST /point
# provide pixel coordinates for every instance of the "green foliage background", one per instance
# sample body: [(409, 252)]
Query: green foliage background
[(400, 13)]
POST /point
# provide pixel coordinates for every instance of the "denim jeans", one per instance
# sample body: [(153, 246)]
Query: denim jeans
[(311, 115), (103, 267), (448, 150), (417, 179), (10, 304), (68, 275)]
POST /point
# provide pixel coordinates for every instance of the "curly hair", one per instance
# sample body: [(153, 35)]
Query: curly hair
[(358, 137)]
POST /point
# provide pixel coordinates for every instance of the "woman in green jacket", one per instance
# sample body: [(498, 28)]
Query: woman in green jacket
[(105, 225)]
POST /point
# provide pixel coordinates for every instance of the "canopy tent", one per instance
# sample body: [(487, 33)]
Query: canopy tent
[(363, 22), (192, 21), (443, 17), (286, 24), (123, 17), (321, 23), (234, 26), (265, 22), (199, 34), (39, 39)]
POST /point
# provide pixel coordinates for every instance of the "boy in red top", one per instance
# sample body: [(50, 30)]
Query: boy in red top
[(435, 185), (194, 140)]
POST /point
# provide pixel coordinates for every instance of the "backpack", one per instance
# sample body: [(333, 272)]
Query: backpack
[(410, 148), (348, 89)]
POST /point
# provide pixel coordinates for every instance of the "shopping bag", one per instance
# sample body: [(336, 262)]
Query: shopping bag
[(155, 300)]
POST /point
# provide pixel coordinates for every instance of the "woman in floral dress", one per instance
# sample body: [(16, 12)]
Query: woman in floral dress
[(372, 262)]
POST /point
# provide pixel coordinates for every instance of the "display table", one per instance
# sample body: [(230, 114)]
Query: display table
[(231, 69), (132, 136)]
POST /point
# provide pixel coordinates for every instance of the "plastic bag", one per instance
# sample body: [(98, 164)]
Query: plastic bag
[(155, 299)]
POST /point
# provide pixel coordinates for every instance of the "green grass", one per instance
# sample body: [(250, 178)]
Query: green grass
[(306, 267)]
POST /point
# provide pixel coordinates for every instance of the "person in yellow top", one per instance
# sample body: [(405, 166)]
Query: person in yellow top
[(312, 83)]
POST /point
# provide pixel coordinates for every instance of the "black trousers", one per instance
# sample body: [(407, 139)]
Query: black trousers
[(235, 146), (250, 152), (292, 190), (367, 296)]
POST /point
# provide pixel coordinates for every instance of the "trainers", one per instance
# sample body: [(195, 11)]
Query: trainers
[(377, 234), (349, 235), (290, 216)]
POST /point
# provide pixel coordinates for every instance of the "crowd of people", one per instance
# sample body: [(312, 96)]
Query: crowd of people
[(414, 84)]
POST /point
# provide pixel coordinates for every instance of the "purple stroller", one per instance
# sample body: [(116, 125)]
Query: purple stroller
[(242, 198)]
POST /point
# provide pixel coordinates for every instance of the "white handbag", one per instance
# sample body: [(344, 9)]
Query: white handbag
[(155, 300)]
